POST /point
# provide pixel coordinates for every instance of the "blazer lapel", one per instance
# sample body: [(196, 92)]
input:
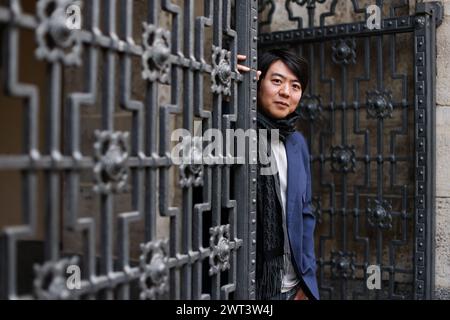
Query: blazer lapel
[(294, 172), (296, 179)]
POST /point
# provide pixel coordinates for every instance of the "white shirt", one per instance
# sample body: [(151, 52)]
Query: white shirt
[(290, 279)]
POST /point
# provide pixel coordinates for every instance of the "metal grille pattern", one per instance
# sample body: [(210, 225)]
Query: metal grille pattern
[(210, 232), (369, 118), (315, 13)]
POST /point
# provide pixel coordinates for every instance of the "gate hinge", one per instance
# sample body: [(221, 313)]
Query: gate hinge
[(433, 8)]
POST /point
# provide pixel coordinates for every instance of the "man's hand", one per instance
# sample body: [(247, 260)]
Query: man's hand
[(243, 68), (301, 295)]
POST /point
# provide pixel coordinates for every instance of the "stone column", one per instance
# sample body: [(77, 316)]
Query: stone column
[(442, 253)]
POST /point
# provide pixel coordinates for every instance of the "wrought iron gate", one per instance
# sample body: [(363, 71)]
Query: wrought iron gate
[(88, 180), (369, 117)]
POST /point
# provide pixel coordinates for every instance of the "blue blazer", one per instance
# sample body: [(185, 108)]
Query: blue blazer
[(300, 218)]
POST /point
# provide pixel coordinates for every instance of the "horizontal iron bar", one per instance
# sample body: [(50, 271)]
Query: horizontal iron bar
[(402, 24)]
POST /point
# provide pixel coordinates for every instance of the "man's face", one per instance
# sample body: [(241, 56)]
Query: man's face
[(280, 91)]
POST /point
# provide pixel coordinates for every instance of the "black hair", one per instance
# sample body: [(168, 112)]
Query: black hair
[(297, 64)]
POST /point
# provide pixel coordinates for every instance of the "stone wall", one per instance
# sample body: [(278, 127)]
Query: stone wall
[(442, 254)]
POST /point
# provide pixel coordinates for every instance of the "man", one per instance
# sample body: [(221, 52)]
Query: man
[(286, 265)]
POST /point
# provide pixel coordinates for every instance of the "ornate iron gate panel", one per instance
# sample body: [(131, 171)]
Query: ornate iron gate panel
[(369, 117), (89, 170)]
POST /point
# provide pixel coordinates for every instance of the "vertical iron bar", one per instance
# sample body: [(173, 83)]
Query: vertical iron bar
[(246, 27)]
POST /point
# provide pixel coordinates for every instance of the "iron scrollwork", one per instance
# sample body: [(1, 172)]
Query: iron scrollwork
[(50, 282), (156, 56), (344, 51), (379, 104), (191, 172), (154, 269), (310, 107), (220, 249), (111, 155), (221, 74), (343, 159), (379, 214), (343, 264), (56, 42)]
